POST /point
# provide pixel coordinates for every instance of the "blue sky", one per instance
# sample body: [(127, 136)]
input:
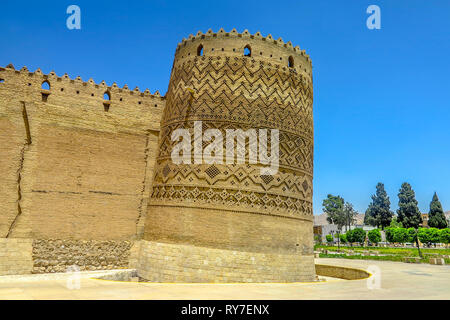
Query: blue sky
[(381, 97)]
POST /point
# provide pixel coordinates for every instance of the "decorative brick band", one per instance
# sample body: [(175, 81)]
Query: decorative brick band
[(163, 262)]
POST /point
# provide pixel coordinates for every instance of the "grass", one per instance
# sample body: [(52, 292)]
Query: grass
[(392, 254)]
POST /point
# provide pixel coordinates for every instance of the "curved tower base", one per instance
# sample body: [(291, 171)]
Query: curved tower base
[(167, 262), (195, 245)]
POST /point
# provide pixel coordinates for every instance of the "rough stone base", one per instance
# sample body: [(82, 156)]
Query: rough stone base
[(163, 262), (15, 256), (59, 255)]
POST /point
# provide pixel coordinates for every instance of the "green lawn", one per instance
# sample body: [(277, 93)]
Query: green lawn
[(392, 254)]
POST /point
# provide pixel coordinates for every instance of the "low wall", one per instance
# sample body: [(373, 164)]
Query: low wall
[(341, 272), (15, 256)]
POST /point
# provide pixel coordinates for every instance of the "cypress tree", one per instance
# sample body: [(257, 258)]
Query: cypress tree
[(379, 212), (408, 212), (436, 216)]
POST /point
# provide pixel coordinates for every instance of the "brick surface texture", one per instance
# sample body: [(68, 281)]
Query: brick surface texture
[(86, 176)]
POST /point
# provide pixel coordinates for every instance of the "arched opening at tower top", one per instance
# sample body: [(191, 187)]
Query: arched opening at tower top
[(291, 62), (247, 51), (106, 96), (45, 85), (200, 50)]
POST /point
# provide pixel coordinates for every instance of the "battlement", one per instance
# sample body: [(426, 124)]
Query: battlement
[(255, 45), (63, 90), (52, 76)]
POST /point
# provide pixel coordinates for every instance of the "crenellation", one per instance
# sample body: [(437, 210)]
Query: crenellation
[(233, 43), (64, 89)]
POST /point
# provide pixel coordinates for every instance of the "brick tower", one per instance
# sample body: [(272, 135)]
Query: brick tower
[(228, 222)]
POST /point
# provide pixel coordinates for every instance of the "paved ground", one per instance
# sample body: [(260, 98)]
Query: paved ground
[(397, 281)]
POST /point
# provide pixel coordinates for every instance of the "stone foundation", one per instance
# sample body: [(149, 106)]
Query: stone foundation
[(163, 262), (58, 255)]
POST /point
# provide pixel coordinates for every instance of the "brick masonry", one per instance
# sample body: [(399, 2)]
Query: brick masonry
[(233, 212), (73, 170), (164, 262), (83, 168), (15, 256)]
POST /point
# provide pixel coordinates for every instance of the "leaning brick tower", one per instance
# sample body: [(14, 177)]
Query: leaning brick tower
[(228, 222)]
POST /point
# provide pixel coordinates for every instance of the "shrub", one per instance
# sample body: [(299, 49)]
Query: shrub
[(343, 238), (329, 238), (317, 239), (349, 236), (359, 235), (434, 235), (374, 236), (424, 235), (444, 235), (412, 234), (390, 234), (400, 235), (429, 235)]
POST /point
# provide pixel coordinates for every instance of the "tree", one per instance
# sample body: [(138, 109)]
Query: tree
[(408, 211), (436, 216), (349, 214), (368, 219), (333, 206), (374, 236), (395, 224), (359, 235), (379, 214)]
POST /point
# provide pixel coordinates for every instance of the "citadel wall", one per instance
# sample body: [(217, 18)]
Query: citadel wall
[(84, 179), (76, 168)]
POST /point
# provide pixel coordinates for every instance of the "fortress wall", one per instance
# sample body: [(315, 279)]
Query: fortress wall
[(12, 141), (74, 166)]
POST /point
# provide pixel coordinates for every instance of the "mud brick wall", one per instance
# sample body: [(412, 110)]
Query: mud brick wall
[(74, 164), (15, 256)]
